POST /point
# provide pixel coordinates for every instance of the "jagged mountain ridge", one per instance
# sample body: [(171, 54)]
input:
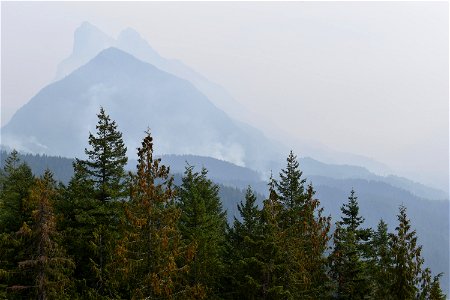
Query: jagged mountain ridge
[(129, 40), (90, 40), (137, 95)]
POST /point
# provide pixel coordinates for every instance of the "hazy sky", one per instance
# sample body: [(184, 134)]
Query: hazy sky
[(369, 78)]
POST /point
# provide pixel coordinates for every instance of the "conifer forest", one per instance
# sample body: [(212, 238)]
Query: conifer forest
[(114, 234)]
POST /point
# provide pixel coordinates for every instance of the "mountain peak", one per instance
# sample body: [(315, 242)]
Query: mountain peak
[(87, 26), (88, 39), (131, 41), (129, 33)]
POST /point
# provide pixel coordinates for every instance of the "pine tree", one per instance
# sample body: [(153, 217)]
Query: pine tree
[(381, 262), (315, 228), (107, 159), (203, 224), (16, 181), (435, 290), (246, 241), (304, 233), (92, 212), (291, 187), (47, 262), (349, 259), (150, 254), (271, 249), (407, 260)]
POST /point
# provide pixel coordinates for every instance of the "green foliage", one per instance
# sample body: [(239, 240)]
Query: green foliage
[(150, 255), (381, 262), (407, 260), (166, 242), (16, 181), (107, 159), (90, 216), (303, 235), (291, 187), (246, 241), (349, 263), (46, 261), (202, 225)]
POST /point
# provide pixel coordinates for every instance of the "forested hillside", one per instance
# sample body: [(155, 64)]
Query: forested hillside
[(145, 234)]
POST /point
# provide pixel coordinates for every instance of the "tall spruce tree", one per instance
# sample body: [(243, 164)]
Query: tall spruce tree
[(430, 288), (291, 187), (203, 224), (150, 255), (16, 181), (407, 260), (304, 233), (349, 259), (435, 289), (107, 159), (246, 241), (381, 262), (92, 212), (271, 252), (314, 229), (46, 263)]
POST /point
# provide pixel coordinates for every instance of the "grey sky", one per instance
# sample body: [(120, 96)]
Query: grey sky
[(363, 77)]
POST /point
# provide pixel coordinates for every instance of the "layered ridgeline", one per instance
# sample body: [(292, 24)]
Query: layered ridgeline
[(137, 95), (90, 40)]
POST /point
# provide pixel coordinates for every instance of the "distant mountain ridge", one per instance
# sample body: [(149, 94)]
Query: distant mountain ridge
[(90, 40), (138, 96)]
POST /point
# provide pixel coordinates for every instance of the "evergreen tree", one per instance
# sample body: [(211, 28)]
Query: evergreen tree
[(46, 263), (150, 253), (435, 290), (91, 229), (381, 262), (407, 261), (271, 249), (304, 235), (349, 265), (90, 212), (107, 159), (203, 224), (291, 187), (246, 241), (314, 229), (15, 183)]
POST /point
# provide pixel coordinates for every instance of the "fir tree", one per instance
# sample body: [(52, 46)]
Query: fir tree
[(91, 213), (150, 254), (107, 159), (407, 260), (304, 233), (271, 250), (349, 257), (381, 262), (47, 262), (246, 241), (435, 290), (16, 181), (291, 187), (203, 224)]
